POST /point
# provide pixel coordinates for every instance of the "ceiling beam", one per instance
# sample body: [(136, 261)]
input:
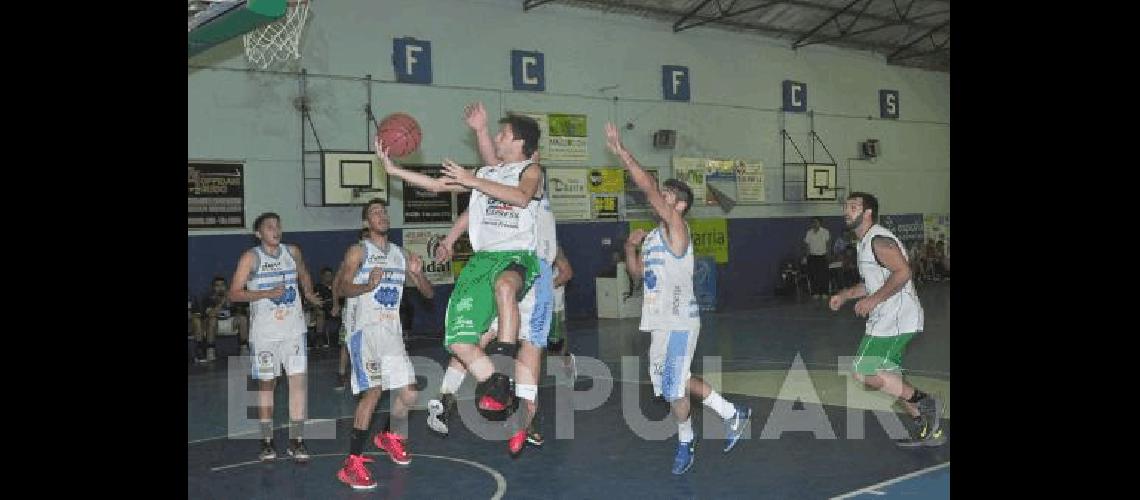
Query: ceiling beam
[(871, 29), (653, 11), (689, 14), (800, 40), (530, 4), (831, 9), (677, 27), (920, 38)]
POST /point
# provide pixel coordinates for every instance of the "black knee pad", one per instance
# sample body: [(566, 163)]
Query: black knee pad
[(508, 350), (500, 389)]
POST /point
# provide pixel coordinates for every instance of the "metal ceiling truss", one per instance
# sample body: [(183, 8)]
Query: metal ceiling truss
[(530, 4), (723, 13), (871, 29), (898, 55), (845, 33), (835, 18), (726, 13), (611, 5), (834, 10)]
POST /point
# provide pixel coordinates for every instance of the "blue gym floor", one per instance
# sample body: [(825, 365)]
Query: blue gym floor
[(782, 355)]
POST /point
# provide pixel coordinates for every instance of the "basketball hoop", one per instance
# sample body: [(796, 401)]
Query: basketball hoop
[(279, 40)]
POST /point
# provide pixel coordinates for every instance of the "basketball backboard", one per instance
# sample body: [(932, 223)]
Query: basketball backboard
[(352, 178), (821, 183), (212, 22)]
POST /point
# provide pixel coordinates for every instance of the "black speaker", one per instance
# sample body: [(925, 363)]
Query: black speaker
[(665, 139), (871, 148)]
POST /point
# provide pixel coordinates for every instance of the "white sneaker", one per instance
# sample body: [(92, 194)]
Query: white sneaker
[(435, 407)]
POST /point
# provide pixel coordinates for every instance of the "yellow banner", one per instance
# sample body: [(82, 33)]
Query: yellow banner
[(607, 180), (710, 236), (605, 206)]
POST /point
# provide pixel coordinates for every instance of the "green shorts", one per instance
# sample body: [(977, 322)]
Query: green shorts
[(881, 353), (472, 304)]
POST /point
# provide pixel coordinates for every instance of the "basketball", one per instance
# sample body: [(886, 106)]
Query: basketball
[(400, 134)]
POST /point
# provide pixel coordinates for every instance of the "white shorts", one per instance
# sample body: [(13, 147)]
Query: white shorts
[(536, 309), (269, 356), (378, 359), (670, 356)]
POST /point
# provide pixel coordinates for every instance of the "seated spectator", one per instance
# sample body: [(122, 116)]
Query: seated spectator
[(219, 315), (837, 267), (912, 259), (926, 262), (789, 276), (947, 260), (939, 261), (851, 265), (193, 325)]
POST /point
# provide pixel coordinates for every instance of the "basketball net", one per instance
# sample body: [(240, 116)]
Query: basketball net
[(279, 41)]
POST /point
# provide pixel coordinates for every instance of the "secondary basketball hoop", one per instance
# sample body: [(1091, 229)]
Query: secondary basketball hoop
[(279, 41), (360, 192)]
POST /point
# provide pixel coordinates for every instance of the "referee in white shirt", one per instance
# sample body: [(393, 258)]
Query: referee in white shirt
[(816, 242)]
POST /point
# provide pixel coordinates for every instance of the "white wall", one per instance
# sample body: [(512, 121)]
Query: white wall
[(736, 78)]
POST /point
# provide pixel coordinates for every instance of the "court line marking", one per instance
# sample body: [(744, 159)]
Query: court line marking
[(872, 488), (500, 481)]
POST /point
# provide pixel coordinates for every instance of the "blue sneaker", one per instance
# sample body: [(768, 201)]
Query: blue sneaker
[(734, 427), (683, 461)]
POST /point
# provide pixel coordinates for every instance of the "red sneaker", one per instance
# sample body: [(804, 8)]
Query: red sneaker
[(394, 445), (516, 442), (355, 473)]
